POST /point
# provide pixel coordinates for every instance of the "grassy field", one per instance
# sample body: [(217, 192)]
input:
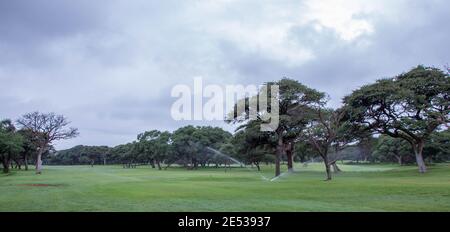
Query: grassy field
[(112, 188)]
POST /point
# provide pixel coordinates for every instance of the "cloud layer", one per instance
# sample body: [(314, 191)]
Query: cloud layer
[(109, 65)]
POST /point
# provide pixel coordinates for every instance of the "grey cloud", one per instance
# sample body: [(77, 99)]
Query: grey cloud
[(109, 65), (27, 28), (339, 67)]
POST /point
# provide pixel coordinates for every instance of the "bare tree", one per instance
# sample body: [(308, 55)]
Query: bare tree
[(328, 130), (46, 128)]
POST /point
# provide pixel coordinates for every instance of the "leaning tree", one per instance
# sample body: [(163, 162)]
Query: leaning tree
[(410, 106), (294, 101), (46, 128)]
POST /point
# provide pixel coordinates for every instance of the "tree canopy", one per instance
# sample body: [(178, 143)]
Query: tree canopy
[(410, 106), (10, 143)]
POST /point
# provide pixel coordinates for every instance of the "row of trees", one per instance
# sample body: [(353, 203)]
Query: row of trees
[(404, 115), (156, 149), (191, 147)]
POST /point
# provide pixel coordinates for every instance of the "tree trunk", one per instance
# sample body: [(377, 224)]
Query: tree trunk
[(290, 163), (277, 164), (159, 165), (290, 158), (327, 167), (257, 166), (399, 160), (418, 149), (6, 168), (195, 164), (5, 163), (26, 162), (152, 163), (278, 155), (335, 167), (39, 162)]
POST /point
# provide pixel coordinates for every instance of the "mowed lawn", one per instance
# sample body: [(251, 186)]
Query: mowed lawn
[(112, 188)]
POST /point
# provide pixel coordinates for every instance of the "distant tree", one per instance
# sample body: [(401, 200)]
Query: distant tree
[(29, 146), (215, 138), (46, 128), (125, 154), (390, 149), (10, 144), (94, 154), (410, 106), (103, 153), (437, 148), (185, 146), (229, 152), (191, 145), (81, 155), (366, 143), (155, 145), (251, 145), (304, 151)]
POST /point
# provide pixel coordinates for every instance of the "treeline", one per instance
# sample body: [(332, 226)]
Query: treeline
[(382, 149), (190, 147), (401, 119)]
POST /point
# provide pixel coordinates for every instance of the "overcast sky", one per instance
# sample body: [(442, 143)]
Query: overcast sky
[(109, 66)]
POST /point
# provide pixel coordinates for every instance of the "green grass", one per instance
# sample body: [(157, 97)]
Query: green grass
[(112, 188)]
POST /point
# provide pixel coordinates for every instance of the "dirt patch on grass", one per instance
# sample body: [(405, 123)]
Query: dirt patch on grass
[(41, 185)]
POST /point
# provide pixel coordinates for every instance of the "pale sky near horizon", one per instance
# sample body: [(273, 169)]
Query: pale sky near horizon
[(109, 66)]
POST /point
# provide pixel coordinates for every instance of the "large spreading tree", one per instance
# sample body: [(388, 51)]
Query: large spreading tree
[(410, 106), (46, 128), (294, 101)]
